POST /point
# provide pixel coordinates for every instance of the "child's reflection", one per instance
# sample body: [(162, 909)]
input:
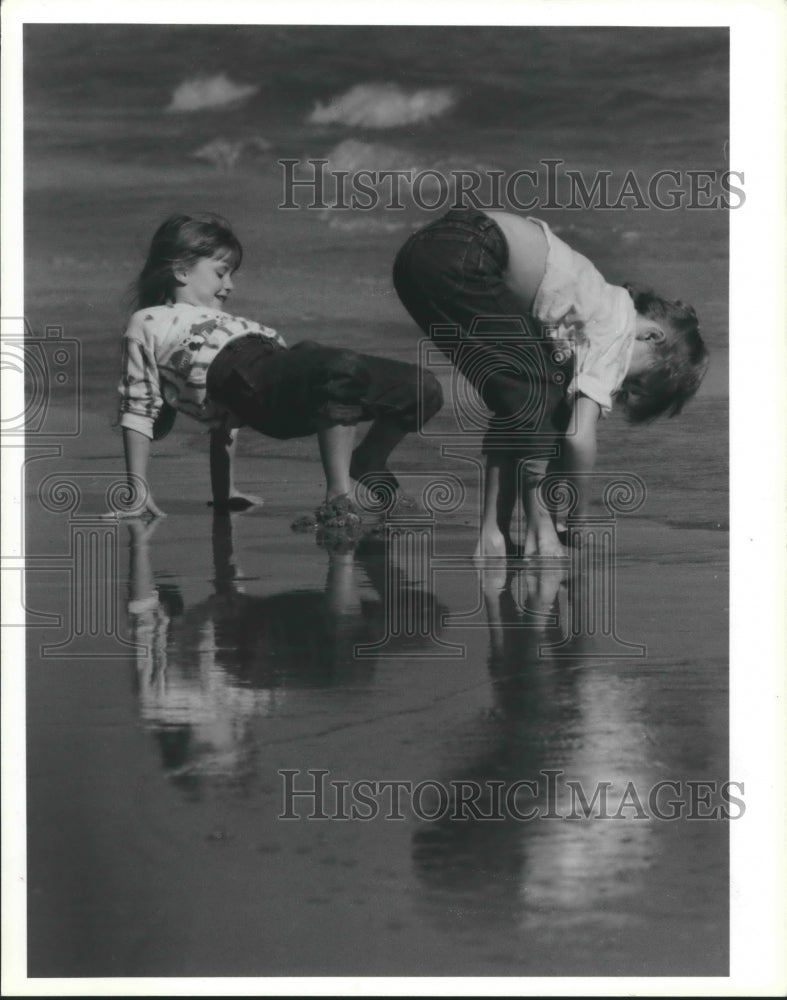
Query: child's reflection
[(213, 668), (524, 613), (532, 693), (581, 719)]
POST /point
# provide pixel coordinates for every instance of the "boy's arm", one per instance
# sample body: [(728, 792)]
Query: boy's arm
[(136, 447), (580, 447), (222, 479)]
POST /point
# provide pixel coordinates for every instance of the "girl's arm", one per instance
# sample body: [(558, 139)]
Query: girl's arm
[(136, 447), (580, 447), (140, 403), (222, 479), (164, 422), (141, 586)]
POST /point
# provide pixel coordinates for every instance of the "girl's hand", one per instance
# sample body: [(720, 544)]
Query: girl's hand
[(237, 501), (152, 508), (136, 447), (163, 423), (148, 507), (141, 531)]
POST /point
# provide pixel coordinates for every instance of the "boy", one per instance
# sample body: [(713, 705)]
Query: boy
[(595, 343)]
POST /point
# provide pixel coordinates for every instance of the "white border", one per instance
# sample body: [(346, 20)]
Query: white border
[(758, 357), (758, 417)]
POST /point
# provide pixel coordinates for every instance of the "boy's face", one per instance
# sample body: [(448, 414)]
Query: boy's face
[(649, 334), (208, 282)]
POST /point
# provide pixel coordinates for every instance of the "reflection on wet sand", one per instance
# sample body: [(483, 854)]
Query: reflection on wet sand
[(213, 668), (552, 709), (541, 866)]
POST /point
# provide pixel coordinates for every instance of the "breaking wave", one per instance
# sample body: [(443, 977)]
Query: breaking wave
[(353, 155), (209, 92), (224, 154), (383, 105)]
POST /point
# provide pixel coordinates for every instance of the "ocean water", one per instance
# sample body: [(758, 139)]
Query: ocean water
[(125, 123)]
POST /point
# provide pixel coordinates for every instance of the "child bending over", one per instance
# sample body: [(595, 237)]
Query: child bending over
[(183, 352), (595, 343)]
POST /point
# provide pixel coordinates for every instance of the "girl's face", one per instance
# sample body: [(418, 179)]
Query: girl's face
[(208, 282)]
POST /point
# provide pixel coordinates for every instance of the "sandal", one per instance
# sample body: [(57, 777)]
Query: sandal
[(339, 525), (339, 511)]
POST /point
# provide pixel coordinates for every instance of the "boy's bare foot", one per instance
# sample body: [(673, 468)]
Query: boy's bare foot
[(543, 586), (495, 545), (544, 544), (491, 545)]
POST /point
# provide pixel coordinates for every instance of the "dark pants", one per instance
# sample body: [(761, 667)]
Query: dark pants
[(449, 275), (287, 393)]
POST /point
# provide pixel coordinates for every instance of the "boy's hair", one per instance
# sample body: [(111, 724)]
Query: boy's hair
[(180, 241), (681, 361)]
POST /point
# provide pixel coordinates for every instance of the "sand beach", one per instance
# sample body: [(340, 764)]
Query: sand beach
[(184, 677)]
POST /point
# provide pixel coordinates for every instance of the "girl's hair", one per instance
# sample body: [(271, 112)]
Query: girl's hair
[(180, 241), (680, 365)]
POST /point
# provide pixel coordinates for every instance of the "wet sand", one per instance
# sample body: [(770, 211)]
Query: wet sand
[(154, 843)]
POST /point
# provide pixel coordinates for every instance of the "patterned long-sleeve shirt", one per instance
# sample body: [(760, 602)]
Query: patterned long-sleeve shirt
[(596, 319), (166, 353)]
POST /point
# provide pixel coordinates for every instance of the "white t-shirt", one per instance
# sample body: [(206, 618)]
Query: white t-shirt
[(166, 353), (597, 319)]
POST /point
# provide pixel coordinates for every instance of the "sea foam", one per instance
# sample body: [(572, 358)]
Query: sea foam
[(353, 155), (224, 153), (383, 105), (209, 92)]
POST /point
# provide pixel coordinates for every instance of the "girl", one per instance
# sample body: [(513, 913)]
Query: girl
[(183, 352), (549, 345)]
